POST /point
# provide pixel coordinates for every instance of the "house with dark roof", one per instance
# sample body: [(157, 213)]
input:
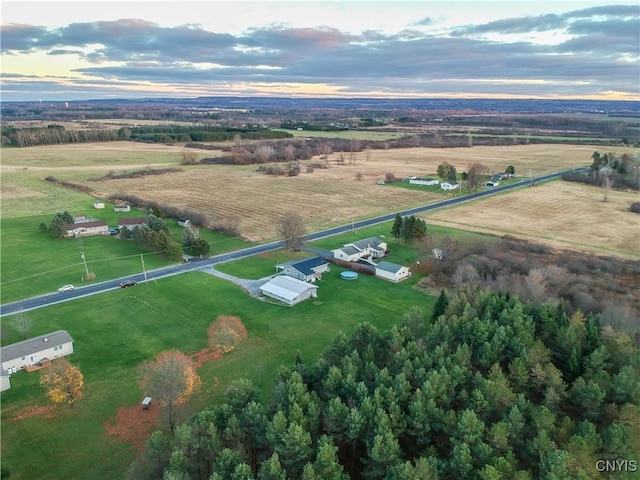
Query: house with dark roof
[(392, 271), (369, 247), (308, 270), (86, 229), (33, 352)]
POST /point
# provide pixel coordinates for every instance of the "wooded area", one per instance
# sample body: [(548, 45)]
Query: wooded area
[(489, 388)]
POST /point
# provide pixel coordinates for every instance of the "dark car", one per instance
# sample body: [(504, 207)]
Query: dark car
[(129, 283)]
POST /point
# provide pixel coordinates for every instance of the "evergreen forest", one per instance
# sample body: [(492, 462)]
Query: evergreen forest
[(483, 387)]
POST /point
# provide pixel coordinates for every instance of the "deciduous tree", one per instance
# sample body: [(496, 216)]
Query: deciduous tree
[(64, 382), (170, 379), (22, 323), (292, 230)]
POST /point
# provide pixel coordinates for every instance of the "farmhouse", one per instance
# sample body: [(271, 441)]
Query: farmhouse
[(288, 290), (308, 270), (424, 181), (448, 186), (85, 229), (392, 271), (130, 223), (369, 247), (35, 351)]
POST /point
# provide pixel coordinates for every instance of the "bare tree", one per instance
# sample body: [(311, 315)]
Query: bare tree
[(188, 157), (291, 228), (171, 379), (22, 323), (264, 153), (473, 175), (289, 153)]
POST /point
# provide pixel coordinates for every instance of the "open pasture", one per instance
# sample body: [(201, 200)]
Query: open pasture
[(326, 197), (562, 214)]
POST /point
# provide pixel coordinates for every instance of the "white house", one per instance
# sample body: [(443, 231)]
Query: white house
[(35, 351), (308, 270), (369, 247), (130, 223), (98, 205), (424, 181), (288, 290), (448, 186), (392, 271), (85, 229), (184, 222)]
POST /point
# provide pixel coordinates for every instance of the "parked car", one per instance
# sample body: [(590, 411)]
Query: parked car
[(114, 231), (66, 288), (128, 283)]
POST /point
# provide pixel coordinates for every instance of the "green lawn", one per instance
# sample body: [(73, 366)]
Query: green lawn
[(116, 331), (33, 262)]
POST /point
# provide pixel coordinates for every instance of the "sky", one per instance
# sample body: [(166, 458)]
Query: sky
[(79, 50)]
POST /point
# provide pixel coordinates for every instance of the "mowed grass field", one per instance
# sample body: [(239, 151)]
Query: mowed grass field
[(562, 214), (325, 197), (116, 331)]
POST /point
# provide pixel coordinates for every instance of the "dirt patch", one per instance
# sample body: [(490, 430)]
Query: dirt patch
[(44, 411), (133, 424), (206, 355)]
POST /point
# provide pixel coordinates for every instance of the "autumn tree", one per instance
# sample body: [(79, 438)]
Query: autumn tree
[(64, 382), (171, 379), (291, 228), (226, 332)]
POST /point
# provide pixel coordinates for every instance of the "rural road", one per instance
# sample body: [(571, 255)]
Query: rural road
[(206, 264)]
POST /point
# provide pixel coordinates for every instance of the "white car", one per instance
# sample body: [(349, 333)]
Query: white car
[(66, 288)]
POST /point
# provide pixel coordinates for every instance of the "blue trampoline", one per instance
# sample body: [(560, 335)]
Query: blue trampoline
[(349, 275)]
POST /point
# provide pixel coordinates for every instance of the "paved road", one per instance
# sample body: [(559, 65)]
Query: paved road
[(204, 264)]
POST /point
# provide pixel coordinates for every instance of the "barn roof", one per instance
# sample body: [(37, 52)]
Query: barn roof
[(286, 287), (34, 345)]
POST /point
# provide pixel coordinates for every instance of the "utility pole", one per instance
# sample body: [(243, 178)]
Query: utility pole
[(143, 270), (85, 265)]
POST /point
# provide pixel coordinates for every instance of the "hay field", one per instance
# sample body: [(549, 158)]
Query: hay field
[(326, 197), (561, 214)]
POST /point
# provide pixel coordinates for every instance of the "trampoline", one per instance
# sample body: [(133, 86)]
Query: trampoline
[(349, 275)]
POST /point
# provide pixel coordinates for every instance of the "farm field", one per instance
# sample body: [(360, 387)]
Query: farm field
[(42, 441), (562, 214), (326, 197)]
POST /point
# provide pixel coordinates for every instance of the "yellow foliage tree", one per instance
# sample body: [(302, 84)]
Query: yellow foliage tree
[(226, 332), (171, 379), (63, 381)]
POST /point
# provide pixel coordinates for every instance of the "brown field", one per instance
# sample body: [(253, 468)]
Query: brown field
[(326, 197), (562, 214)]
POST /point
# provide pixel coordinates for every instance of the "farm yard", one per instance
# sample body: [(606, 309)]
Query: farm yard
[(325, 197), (561, 214)]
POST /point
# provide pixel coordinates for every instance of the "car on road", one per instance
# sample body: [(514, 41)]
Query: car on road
[(128, 283), (66, 288)]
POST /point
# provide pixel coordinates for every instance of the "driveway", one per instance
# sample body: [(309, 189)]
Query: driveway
[(251, 286)]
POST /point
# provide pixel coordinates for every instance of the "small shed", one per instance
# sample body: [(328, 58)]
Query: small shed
[(288, 290), (98, 205), (122, 208), (392, 271)]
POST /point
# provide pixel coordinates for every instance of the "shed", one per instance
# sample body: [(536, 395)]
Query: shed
[(98, 205), (288, 290), (392, 271)]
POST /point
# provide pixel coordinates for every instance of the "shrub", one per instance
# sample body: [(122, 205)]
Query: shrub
[(635, 207), (389, 177)]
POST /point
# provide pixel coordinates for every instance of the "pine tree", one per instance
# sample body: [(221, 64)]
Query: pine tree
[(397, 227), (441, 305)]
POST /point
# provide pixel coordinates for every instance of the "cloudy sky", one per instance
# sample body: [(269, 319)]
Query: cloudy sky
[(76, 50)]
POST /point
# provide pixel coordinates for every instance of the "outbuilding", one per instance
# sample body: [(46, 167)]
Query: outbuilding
[(288, 290), (308, 270), (392, 271)]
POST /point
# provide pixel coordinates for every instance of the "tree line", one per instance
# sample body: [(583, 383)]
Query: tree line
[(487, 388)]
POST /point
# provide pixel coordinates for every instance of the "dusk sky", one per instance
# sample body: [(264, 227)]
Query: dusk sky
[(517, 49)]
